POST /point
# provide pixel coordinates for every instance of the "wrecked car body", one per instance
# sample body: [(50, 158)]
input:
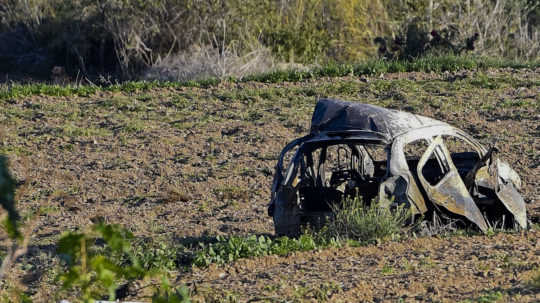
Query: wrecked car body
[(396, 157)]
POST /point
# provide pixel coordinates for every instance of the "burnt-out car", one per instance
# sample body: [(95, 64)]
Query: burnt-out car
[(395, 158)]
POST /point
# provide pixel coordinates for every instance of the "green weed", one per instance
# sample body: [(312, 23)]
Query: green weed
[(387, 269), (487, 297), (427, 262), (15, 150), (324, 292), (483, 81), (72, 130), (154, 255), (365, 223), (227, 250)]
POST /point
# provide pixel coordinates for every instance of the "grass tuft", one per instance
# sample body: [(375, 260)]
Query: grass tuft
[(356, 221)]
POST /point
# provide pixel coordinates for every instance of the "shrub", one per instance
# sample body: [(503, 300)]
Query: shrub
[(129, 36), (501, 28), (415, 42), (187, 39), (357, 221)]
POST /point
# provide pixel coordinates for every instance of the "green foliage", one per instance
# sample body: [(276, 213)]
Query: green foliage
[(7, 200), (24, 90), (427, 63), (17, 295), (168, 294), (101, 258), (365, 223), (90, 270), (487, 297), (490, 297), (387, 269), (483, 81), (227, 250), (321, 30), (156, 255)]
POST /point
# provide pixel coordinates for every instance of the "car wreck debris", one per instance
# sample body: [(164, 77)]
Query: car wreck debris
[(396, 157)]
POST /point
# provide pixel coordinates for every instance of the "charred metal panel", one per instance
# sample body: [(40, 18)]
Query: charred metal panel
[(450, 192), (504, 180)]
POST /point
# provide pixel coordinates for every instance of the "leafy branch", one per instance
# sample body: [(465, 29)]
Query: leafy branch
[(98, 259)]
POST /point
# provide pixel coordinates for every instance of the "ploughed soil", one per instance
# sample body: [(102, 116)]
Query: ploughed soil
[(426, 269), (180, 165)]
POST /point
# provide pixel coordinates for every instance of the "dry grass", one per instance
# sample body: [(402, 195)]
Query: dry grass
[(503, 26), (208, 62)]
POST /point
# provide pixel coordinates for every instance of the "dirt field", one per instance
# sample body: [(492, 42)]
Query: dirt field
[(182, 165)]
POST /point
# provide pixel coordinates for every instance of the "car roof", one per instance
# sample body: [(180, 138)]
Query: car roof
[(335, 116)]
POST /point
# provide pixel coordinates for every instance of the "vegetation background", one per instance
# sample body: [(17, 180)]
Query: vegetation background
[(193, 39)]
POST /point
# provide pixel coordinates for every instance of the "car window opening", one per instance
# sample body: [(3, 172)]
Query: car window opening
[(436, 167), (342, 170)]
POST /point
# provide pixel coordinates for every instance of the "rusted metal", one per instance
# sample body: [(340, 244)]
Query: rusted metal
[(479, 191)]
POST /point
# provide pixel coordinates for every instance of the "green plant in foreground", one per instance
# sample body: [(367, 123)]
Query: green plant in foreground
[(168, 294), (94, 269), (10, 224), (93, 272)]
